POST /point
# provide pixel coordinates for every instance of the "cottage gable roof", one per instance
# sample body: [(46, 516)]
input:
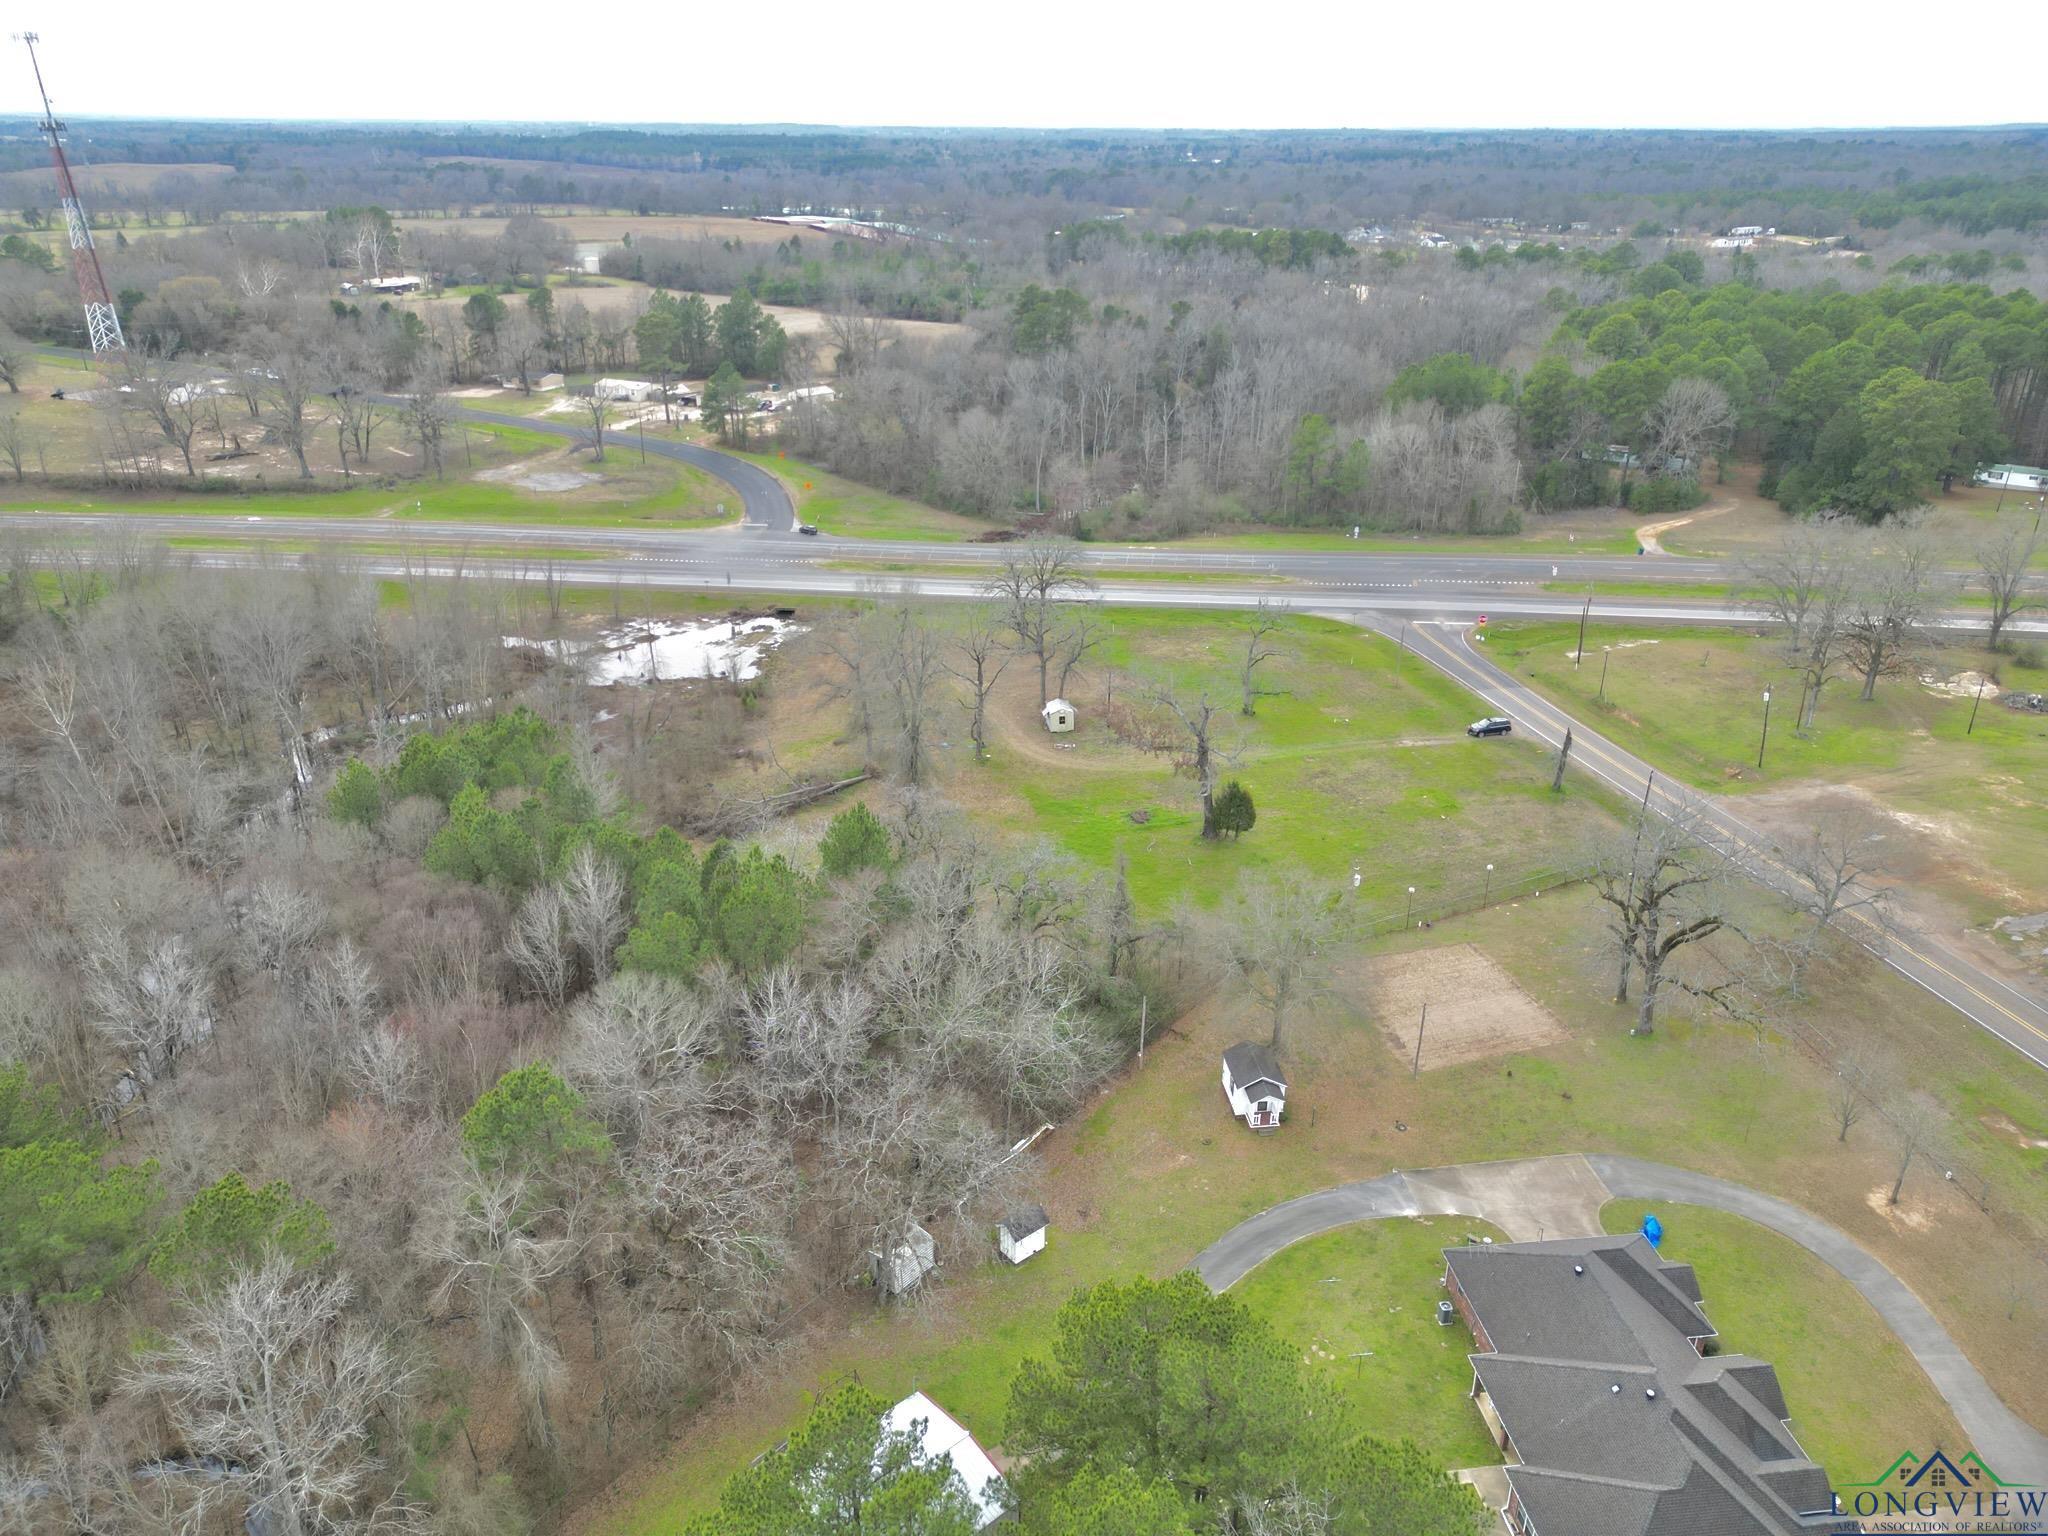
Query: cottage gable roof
[(1249, 1064)]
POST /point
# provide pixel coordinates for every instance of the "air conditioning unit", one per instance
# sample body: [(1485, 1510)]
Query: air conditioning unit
[(1445, 1314)]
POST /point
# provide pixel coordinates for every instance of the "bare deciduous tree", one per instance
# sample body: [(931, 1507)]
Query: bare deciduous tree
[(499, 1250), (1278, 939), (1919, 1124), (2005, 560), (1692, 420), (978, 660), (1853, 1090), (1804, 585), (427, 417), (540, 947), (1037, 578), (269, 1375), (168, 395), (1836, 862), (1665, 895), (290, 382), (1201, 755), (1889, 606), (597, 410), (594, 909), (1264, 621)]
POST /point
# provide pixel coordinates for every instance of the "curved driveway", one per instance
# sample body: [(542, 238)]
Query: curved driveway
[(1499, 1192), (768, 508)]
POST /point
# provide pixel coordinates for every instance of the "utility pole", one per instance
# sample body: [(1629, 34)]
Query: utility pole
[(1584, 614), (1416, 1070), (1144, 1001), (1972, 726), (1564, 755), (102, 319)]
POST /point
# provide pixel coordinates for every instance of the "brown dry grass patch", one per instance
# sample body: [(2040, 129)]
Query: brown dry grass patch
[(1475, 1008)]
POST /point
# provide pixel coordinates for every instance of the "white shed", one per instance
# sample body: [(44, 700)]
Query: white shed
[(909, 1262), (1253, 1085), (939, 1434), (1059, 715), (1022, 1233)]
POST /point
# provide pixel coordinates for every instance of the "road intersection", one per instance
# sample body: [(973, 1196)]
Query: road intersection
[(1429, 601)]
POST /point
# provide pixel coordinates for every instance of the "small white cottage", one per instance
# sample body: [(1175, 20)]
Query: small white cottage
[(938, 1434), (909, 1262), (1022, 1233), (1059, 715), (1253, 1085)]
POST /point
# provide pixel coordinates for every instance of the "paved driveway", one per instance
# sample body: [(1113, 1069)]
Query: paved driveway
[(1534, 1198)]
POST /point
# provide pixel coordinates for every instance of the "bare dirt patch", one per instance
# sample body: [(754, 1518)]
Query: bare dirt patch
[(1475, 1008), (1914, 1218), (1646, 535), (2007, 1129)]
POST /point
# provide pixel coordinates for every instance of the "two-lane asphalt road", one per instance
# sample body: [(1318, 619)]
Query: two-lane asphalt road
[(1427, 598), (2018, 1018)]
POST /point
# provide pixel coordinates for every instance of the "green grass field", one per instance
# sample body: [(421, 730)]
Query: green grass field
[(1857, 1396), (1357, 758), (1360, 1304), (660, 492), (850, 510), (1152, 1172), (1690, 701)]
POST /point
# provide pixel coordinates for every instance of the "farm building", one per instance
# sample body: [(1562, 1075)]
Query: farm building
[(908, 1263), (939, 1434), (1253, 1085), (1022, 1233), (1593, 1378), (1059, 715)]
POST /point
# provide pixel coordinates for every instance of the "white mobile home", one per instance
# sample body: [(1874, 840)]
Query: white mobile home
[(1253, 1085), (2013, 477), (631, 391)]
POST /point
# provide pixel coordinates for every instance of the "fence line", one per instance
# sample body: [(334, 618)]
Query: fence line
[(1473, 898)]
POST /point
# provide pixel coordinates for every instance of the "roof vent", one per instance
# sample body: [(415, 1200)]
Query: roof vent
[(1650, 1393), (1578, 1269)]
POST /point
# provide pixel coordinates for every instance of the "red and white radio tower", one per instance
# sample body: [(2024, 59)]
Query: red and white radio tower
[(102, 320)]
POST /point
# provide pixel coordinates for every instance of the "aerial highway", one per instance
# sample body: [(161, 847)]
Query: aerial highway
[(1427, 601)]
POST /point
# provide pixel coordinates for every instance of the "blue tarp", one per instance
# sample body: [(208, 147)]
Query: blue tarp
[(1653, 1229)]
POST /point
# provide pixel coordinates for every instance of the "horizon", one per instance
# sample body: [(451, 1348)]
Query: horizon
[(1327, 70), (793, 127)]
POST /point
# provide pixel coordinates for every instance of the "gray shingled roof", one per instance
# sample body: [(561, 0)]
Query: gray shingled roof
[(1023, 1221), (1250, 1064), (1621, 1427)]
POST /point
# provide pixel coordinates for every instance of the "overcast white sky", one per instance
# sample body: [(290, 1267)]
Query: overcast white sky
[(1049, 64)]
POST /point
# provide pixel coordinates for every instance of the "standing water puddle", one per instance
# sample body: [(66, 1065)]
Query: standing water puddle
[(666, 651)]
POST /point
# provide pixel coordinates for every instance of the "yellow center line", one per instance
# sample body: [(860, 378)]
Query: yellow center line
[(1625, 778)]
